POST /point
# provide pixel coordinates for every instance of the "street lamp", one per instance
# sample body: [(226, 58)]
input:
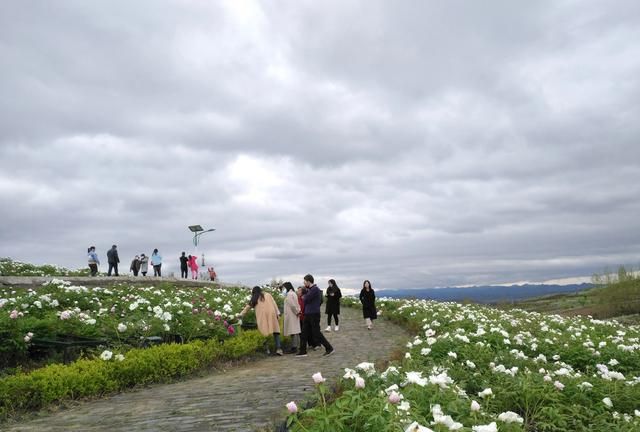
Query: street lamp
[(197, 231)]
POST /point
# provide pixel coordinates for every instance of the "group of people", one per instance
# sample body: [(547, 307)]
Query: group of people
[(302, 314), (140, 263)]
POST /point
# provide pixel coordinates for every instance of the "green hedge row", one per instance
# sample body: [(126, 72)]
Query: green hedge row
[(89, 378)]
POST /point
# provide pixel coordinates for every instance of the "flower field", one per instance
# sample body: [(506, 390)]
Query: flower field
[(474, 368), (123, 316)]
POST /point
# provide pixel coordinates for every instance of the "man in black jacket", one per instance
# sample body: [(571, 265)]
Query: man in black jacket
[(112, 257), (311, 323)]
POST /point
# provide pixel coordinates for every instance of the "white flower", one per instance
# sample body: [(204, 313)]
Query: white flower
[(425, 351), (407, 355), (404, 406), (486, 392), (368, 368), (470, 364), (510, 417), (166, 316), (452, 355), (585, 385), (359, 383), (491, 427), (106, 355), (122, 328), (292, 407), (558, 385), (317, 378), (166, 327), (607, 402), (416, 378), (65, 315), (90, 321), (417, 427), (119, 357), (475, 406)]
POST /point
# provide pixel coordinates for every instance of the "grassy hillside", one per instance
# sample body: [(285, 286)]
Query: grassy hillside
[(617, 298)]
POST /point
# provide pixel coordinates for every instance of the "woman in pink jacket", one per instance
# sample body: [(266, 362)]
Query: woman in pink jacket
[(193, 265)]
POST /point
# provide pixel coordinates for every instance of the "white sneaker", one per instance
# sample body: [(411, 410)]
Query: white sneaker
[(336, 328), (328, 329)]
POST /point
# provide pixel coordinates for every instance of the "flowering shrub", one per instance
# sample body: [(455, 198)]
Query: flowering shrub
[(125, 316), (9, 267), (473, 368)]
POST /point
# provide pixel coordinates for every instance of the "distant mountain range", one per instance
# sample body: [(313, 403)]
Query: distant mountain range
[(485, 293)]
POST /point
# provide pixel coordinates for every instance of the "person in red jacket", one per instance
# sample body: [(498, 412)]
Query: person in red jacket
[(193, 265)]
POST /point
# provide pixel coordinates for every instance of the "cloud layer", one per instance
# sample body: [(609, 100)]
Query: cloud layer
[(412, 144)]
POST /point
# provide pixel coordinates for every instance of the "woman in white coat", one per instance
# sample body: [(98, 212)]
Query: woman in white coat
[(291, 316)]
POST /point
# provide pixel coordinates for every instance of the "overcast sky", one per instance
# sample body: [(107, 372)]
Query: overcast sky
[(412, 143)]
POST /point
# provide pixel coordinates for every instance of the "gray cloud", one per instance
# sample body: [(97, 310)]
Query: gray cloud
[(412, 144)]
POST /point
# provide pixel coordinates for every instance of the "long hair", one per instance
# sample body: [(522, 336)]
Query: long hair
[(288, 286), (365, 283), (256, 294), (333, 283)]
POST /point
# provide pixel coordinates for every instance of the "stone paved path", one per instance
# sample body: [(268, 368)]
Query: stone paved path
[(242, 398)]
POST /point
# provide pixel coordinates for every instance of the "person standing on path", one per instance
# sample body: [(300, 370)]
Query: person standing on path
[(267, 314), (332, 309), (135, 265), (156, 262), (94, 262), (184, 267), (368, 300), (144, 264), (113, 259), (312, 319), (291, 313), (193, 265)]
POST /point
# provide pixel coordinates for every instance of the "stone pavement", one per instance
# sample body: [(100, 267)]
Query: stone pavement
[(241, 398)]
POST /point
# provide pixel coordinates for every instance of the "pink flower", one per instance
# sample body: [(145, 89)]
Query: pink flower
[(231, 330), (359, 383), (292, 407), (13, 314), (317, 378), (65, 315), (394, 397)]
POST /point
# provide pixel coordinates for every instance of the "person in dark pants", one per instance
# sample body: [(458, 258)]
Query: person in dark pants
[(368, 300), (333, 304), (94, 262), (113, 259), (135, 265), (184, 269), (312, 319)]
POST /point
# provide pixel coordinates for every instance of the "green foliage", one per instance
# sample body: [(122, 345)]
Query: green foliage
[(95, 377)]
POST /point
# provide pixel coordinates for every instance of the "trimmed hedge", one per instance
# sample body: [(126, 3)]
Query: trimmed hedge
[(86, 378)]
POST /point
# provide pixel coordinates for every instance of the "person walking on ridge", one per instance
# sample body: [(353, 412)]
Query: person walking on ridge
[(193, 265), (332, 309), (113, 259), (184, 268), (312, 319), (368, 300), (156, 262), (94, 262), (135, 265), (144, 264)]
